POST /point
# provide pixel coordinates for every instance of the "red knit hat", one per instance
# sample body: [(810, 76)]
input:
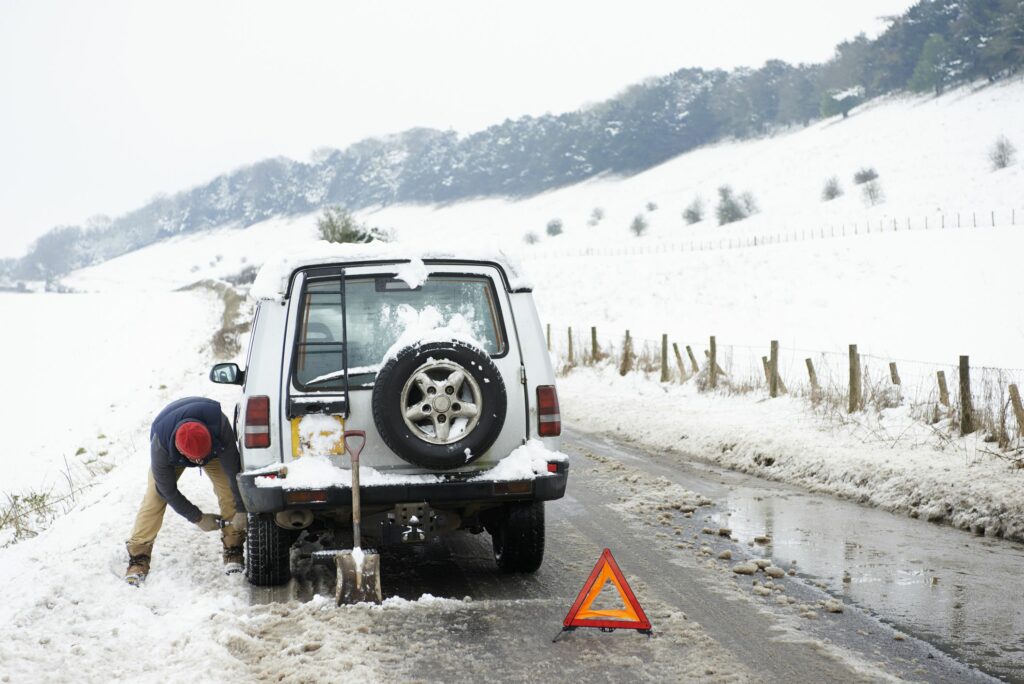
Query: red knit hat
[(193, 440)]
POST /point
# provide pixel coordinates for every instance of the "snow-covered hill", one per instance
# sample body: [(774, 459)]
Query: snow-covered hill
[(899, 294)]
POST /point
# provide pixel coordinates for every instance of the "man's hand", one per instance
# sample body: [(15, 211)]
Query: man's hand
[(240, 521), (208, 522)]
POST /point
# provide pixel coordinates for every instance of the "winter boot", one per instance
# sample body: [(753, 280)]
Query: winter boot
[(138, 568), (234, 561)]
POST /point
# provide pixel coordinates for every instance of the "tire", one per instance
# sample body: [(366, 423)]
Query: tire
[(396, 392), (517, 537), (267, 552)]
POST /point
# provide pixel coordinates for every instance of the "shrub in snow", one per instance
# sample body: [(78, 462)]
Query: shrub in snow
[(749, 203), (639, 225), (831, 190), (1002, 153), (872, 193), (338, 225), (651, 206), (865, 175), (596, 216), (531, 238), (554, 227), (694, 212), (729, 209)]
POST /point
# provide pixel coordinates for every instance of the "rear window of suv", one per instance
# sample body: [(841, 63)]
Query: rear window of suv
[(378, 311)]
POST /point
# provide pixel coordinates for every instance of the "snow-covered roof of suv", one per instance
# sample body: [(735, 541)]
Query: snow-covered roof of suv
[(273, 279)]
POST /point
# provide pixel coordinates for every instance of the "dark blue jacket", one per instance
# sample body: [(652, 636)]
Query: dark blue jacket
[(165, 459)]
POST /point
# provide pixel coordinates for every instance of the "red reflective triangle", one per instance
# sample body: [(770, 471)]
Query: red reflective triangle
[(582, 615)]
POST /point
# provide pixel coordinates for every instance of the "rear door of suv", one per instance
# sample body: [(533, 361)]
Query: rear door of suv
[(378, 309)]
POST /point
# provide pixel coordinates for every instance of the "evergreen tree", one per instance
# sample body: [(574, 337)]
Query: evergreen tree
[(932, 70)]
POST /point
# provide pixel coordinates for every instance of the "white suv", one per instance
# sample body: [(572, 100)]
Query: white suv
[(441, 361)]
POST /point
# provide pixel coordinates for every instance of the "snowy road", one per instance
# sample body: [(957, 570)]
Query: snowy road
[(68, 617), (709, 624)]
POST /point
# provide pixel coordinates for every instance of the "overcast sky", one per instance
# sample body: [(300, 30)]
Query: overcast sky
[(106, 104)]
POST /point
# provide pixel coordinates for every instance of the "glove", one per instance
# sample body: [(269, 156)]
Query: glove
[(208, 522), (240, 521)]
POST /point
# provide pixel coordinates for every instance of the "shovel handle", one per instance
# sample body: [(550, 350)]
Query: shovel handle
[(355, 449)]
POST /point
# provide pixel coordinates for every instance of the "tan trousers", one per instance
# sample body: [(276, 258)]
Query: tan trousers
[(151, 513)]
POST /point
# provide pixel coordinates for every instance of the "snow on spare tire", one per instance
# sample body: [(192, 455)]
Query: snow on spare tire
[(439, 405)]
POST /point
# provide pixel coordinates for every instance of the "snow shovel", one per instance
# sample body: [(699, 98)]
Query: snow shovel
[(358, 571)]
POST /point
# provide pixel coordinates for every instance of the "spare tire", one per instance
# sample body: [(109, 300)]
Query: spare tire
[(439, 405)]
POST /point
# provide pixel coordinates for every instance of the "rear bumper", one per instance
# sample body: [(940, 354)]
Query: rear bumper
[(454, 491)]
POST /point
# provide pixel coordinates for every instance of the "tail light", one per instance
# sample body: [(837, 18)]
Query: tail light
[(257, 423), (549, 420)]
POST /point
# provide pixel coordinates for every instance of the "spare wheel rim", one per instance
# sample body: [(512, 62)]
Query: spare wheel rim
[(441, 402)]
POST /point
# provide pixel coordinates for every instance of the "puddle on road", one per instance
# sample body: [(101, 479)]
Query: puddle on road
[(961, 592)]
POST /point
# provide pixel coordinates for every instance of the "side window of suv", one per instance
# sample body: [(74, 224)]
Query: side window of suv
[(379, 310)]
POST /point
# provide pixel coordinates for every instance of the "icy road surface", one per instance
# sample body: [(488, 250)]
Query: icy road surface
[(709, 623), (68, 616)]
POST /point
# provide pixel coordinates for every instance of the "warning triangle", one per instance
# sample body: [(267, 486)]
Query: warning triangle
[(582, 614)]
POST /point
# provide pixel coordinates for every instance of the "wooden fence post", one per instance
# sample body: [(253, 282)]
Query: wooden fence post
[(713, 364), (693, 360), (595, 351), (679, 362), (773, 383), (855, 391), (966, 406), (664, 358), (1018, 409), (815, 388), (943, 388), (627, 355), (549, 337), (767, 371), (718, 367), (894, 374), (570, 346)]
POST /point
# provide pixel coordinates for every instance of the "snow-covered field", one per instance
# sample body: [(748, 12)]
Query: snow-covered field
[(82, 372), (88, 371)]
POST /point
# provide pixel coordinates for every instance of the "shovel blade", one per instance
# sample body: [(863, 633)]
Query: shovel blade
[(357, 584)]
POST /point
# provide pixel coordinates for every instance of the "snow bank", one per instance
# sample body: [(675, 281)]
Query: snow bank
[(889, 461)]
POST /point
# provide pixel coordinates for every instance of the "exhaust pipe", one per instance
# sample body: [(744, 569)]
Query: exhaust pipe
[(294, 519)]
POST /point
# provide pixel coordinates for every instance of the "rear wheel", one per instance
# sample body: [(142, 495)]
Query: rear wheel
[(267, 551), (517, 536)]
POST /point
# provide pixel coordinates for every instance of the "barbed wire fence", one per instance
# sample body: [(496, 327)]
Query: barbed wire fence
[(939, 221), (955, 399)]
